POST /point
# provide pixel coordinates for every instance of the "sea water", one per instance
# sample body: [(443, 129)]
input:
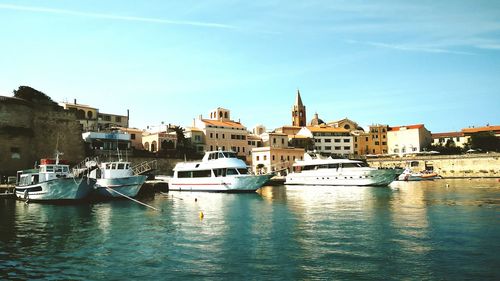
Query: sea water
[(436, 230)]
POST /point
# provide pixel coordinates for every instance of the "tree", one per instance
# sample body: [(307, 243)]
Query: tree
[(485, 141), (184, 146), (34, 96)]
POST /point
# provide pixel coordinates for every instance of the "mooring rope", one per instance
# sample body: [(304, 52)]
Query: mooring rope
[(137, 201)]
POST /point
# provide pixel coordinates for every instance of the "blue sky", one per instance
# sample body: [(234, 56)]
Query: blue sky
[(390, 62)]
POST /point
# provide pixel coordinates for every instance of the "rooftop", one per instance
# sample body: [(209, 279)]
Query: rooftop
[(408, 127), (230, 124), (447, 135), (481, 129)]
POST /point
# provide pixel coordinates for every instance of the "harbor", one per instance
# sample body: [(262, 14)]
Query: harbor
[(445, 229)]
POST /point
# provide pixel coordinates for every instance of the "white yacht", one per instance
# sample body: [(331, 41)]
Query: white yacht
[(115, 179), (52, 181), (217, 171), (317, 170)]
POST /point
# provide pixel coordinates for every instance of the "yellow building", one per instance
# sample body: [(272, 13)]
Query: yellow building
[(377, 143), (276, 155), (92, 120), (135, 137), (220, 132), (155, 142)]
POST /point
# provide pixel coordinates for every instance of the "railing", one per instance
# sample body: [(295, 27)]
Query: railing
[(84, 166), (145, 167)]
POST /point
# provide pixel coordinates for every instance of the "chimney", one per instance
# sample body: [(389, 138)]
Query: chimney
[(128, 118), (74, 101)]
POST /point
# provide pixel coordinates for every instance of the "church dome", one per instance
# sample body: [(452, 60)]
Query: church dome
[(316, 121)]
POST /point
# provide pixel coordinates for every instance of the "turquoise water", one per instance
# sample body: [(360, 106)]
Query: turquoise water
[(412, 230)]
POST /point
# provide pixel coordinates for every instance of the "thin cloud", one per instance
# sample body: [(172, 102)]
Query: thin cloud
[(411, 48), (113, 17)]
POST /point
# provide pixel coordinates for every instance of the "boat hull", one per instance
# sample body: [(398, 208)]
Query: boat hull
[(418, 177), (379, 177), (57, 189), (242, 183), (111, 188)]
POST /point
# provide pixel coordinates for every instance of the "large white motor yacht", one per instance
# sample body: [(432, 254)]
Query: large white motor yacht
[(318, 170), (217, 171)]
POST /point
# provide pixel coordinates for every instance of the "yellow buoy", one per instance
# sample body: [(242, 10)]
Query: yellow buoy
[(201, 215)]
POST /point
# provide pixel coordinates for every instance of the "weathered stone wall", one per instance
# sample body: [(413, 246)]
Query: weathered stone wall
[(35, 131), (453, 166)]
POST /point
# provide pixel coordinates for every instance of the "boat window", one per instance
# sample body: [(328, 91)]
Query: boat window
[(220, 172), (230, 155), (184, 174), (65, 169), (362, 164), (113, 166), (231, 172), (127, 166), (202, 174), (309, 167), (58, 169), (325, 166), (121, 166), (49, 168), (350, 165), (221, 155), (333, 166), (108, 166), (243, 171)]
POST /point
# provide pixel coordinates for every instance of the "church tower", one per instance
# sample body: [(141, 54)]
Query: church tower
[(298, 112)]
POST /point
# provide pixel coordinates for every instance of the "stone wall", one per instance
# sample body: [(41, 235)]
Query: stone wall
[(486, 165), (29, 132)]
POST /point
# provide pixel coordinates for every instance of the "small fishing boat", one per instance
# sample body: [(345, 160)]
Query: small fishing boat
[(318, 170), (115, 179), (53, 180), (218, 171), (409, 175)]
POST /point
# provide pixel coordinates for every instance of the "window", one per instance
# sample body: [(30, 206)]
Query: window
[(90, 114), (121, 166), (211, 135), (216, 135), (347, 140), (384, 143), (282, 141), (118, 119), (257, 157), (243, 171), (265, 157), (347, 147), (328, 148), (184, 174), (377, 143), (328, 140), (337, 140), (202, 174), (132, 136), (337, 148), (366, 139), (15, 153), (223, 136), (106, 118), (273, 157), (274, 140)]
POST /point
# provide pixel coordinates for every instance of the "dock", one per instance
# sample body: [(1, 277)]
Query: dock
[(7, 191)]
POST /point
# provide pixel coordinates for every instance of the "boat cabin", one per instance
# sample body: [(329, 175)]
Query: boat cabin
[(48, 170), (108, 170)]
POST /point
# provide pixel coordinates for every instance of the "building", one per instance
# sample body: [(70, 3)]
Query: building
[(298, 112), (458, 139), (135, 137), (408, 139), (276, 155), (377, 139), (158, 141), (361, 140), (220, 132), (92, 120), (196, 137), (107, 143), (329, 139), (345, 123), (316, 121), (495, 130), (254, 141)]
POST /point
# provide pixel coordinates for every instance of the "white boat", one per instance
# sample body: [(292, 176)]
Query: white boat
[(317, 170), (217, 171), (115, 179), (409, 175), (52, 181)]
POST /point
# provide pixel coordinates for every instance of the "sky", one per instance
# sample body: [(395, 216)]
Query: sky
[(386, 62)]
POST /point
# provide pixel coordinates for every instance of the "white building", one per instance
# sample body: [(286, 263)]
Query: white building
[(329, 140), (408, 139), (276, 155), (459, 139)]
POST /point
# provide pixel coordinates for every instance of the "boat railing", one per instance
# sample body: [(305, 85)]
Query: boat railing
[(145, 167), (85, 166)]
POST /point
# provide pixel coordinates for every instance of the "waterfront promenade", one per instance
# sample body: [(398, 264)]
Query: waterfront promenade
[(436, 230)]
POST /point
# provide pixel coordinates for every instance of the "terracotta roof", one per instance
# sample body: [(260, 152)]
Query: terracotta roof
[(481, 129), (447, 135), (297, 137), (230, 124), (416, 126), (326, 129)]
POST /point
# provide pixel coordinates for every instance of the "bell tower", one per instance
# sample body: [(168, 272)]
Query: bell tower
[(298, 112)]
